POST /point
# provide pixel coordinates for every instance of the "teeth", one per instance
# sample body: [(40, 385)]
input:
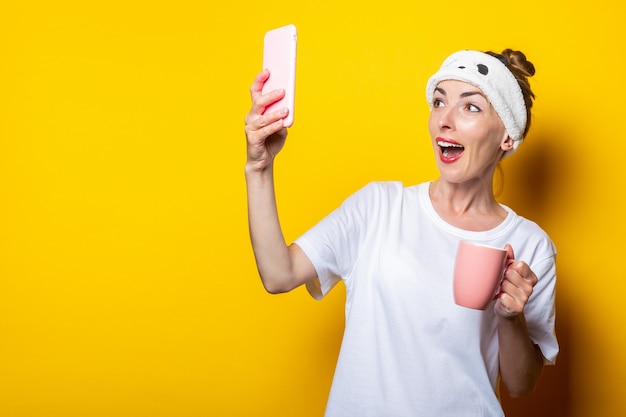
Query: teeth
[(448, 144)]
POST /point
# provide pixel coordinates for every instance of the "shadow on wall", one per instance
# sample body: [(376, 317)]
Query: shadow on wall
[(530, 186)]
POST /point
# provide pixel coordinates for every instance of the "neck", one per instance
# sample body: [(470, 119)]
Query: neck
[(471, 206)]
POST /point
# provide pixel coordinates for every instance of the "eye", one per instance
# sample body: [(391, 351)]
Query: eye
[(473, 108), (437, 102)]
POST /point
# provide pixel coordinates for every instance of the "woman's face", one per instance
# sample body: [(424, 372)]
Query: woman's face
[(467, 133)]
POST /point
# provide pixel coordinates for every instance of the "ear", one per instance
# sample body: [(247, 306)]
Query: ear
[(507, 144)]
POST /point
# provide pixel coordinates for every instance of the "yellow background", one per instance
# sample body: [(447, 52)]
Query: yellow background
[(127, 283)]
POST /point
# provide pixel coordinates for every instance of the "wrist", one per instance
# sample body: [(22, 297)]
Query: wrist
[(511, 322), (255, 172), (258, 166)]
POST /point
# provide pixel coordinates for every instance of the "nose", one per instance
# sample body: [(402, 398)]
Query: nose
[(445, 119)]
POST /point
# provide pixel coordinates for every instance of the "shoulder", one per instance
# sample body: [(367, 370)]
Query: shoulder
[(532, 233), (379, 198), (378, 193), (387, 188)]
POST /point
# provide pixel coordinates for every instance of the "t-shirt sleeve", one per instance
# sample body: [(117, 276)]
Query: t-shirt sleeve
[(333, 244), (540, 309)]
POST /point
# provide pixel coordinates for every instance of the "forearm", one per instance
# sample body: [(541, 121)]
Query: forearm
[(270, 250), (521, 361), (281, 268)]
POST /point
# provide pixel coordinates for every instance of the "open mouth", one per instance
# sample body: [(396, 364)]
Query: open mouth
[(450, 150)]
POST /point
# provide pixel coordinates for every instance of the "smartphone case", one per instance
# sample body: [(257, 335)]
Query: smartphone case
[(279, 56)]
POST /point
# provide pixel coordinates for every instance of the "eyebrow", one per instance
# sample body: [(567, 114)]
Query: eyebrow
[(463, 95)]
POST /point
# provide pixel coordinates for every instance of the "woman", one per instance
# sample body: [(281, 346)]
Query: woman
[(408, 349)]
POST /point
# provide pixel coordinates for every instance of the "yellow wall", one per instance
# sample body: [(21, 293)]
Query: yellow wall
[(127, 283)]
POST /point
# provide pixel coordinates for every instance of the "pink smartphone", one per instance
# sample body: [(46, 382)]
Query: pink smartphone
[(279, 56)]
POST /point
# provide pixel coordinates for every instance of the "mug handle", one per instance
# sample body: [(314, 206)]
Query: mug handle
[(510, 258)]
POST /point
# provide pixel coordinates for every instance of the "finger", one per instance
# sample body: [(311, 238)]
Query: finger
[(525, 273), (510, 255), (509, 250), (271, 128), (257, 84), (517, 288), (259, 105), (268, 119), (508, 305), (515, 279), (257, 133), (256, 90)]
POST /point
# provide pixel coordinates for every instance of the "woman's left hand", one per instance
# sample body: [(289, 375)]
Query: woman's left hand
[(517, 286)]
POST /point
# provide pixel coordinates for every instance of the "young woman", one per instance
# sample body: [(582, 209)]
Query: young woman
[(408, 349)]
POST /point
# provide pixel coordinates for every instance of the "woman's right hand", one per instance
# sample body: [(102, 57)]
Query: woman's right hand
[(265, 133)]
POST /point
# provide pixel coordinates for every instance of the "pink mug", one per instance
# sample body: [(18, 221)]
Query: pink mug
[(478, 273)]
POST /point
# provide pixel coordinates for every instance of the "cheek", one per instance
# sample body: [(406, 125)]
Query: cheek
[(496, 127), (498, 133), (432, 124)]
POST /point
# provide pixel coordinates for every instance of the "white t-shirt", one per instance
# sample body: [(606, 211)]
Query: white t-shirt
[(408, 349)]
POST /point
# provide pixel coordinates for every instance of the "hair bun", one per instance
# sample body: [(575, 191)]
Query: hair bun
[(522, 69), (518, 60)]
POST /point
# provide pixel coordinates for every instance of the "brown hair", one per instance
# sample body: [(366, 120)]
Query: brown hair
[(522, 69)]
